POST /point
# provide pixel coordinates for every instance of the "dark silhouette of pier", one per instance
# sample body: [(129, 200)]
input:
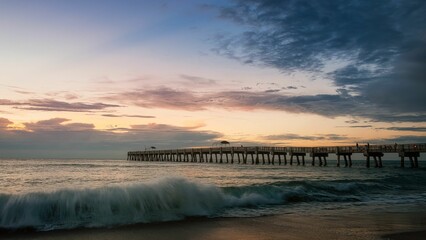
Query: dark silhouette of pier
[(280, 155)]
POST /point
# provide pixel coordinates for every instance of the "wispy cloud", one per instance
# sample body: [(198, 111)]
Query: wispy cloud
[(198, 81), (360, 126), (403, 139), (290, 87), (63, 94), (54, 105), (160, 98), (420, 118), (352, 121), (24, 92), (272, 90), (408, 129)]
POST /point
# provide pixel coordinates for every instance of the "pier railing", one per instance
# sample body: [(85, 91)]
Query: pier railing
[(205, 154)]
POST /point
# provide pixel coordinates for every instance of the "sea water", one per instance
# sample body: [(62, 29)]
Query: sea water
[(65, 194)]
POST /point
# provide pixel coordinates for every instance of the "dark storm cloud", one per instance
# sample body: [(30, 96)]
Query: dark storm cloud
[(383, 42), (58, 137), (295, 34), (54, 105), (351, 75)]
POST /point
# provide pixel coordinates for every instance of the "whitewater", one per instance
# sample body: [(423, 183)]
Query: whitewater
[(65, 194)]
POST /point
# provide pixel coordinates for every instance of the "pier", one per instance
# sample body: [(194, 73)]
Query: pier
[(283, 155)]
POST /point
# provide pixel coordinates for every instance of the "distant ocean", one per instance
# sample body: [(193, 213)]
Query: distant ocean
[(65, 194)]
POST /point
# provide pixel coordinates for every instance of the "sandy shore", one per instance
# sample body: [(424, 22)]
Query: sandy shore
[(344, 225)]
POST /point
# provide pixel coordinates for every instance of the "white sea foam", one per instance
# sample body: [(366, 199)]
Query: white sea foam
[(163, 200)]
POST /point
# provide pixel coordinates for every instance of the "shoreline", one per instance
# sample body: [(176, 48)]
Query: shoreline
[(344, 224), (415, 235)]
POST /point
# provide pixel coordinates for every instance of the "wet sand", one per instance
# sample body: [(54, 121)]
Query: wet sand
[(419, 235), (344, 225)]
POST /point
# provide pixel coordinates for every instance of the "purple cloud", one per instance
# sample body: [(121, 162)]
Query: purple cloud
[(58, 137), (328, 105), (54, 105), (126, 115)]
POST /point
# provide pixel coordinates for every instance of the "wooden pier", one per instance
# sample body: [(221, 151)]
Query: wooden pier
[(278, 155)]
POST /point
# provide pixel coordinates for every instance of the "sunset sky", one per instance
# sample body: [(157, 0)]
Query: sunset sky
[(98, 78)]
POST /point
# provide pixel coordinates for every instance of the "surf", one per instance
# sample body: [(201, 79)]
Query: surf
[(166, 199)]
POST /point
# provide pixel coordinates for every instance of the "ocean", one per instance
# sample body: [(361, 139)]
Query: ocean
[(46, 195)]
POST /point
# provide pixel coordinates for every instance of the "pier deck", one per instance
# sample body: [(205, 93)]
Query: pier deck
[(278, 155)]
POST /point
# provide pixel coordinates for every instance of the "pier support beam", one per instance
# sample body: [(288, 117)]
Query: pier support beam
[(297, 155), (346, 156), (232, 156), (413, 156), (321, 156), (375, 155)]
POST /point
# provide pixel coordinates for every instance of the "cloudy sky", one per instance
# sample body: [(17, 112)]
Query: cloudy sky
[(98, 78)]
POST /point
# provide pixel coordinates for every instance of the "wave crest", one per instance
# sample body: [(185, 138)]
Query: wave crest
[(165, 200)]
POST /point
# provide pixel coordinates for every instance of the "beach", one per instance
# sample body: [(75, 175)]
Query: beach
[(337, 224), (213, 120), (94, 199)]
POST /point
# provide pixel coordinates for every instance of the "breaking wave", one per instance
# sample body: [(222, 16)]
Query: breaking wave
[(163, 200)]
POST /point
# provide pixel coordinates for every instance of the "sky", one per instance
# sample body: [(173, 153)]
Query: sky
[(98, 78)]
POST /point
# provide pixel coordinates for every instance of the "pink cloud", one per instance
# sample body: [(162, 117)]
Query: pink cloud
[(4, 123), (58, 124)]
